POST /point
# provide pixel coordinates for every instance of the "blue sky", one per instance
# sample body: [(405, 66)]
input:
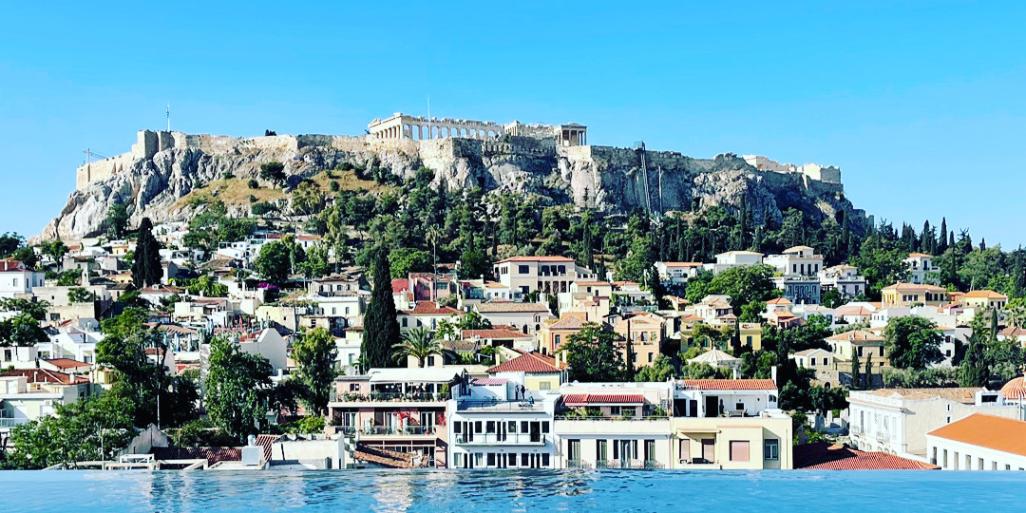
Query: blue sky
[(922, 104)]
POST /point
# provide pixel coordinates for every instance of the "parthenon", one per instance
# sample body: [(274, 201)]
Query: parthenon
[(418, 128)]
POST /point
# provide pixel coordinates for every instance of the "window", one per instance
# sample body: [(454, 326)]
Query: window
[(600, 451), (522, 269), (491, 459), (685, 449), (573, 451), (739, 450), (545, 385), (771, 449)]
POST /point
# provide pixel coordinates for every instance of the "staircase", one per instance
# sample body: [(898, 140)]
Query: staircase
[(385, 457)]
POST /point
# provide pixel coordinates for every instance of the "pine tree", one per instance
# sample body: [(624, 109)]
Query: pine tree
[(942, 240), (146, 269), (380, 326)]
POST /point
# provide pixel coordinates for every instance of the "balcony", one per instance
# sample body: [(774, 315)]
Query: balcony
[(501, 439), (389, 397), (374, 431)]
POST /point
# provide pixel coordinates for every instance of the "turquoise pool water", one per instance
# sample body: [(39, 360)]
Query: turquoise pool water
[(536, 491)]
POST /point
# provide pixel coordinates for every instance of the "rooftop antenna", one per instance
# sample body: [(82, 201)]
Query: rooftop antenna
[(167, 115)]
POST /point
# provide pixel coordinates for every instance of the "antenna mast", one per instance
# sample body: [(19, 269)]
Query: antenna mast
[(167, 115)]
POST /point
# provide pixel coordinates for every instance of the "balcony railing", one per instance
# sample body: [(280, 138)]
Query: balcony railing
[(616, 464), (395, 430), (501, 439), (389, 397), (612, 417), (504, 406), (9, 422)]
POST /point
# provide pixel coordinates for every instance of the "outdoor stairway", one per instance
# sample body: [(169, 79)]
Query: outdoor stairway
[(383, 457)]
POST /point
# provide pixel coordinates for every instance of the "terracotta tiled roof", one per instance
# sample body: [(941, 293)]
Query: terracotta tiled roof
[(856, 336), (399, 285), (988, 294), (1014, 389), (531, 363), (823, 456), (778, 301), (1012, 331), (490, 381), (997, 433), (593, 399), (45, 376), (430, 308), (914, 287), (66, 363), (683, 264), (730, 384), (9, 265), (965, 395), (568, 322)]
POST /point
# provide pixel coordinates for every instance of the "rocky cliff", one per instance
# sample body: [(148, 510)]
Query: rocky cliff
[(606, 178)]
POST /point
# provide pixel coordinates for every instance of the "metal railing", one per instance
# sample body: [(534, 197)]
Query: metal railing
[(397, 430), (11, 422), (500, 438), (389, 397), (511, 406)]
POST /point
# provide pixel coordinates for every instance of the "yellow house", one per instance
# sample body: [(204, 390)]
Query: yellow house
[(536, 371), (643, 335), (555, 333), (865, 343), (746, 443), (984, 300), (751, 335), (913, 294)]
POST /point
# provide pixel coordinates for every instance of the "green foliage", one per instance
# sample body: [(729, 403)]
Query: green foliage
[(405, 260), (261, 208), (35, 308), (252, 183), (925, 378), (274, 262), (592, 355), (315, 354), (311, 424), (213, 226), (87, 430), (207, 286), (380, 324), (234, 389), (912, 342), (146, 270), (116, 222), (54, 249), (660, 370), (758, 364), (747, 286), (273, 172), (200, 433), (9, 242), (80, 295), (307, 198), (21, 330), (417, 343)]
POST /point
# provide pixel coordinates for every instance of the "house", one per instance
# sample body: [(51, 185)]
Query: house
[(821, 361), (526, 317), (268, 343), (426, 314), (677, 273), (730, 259), (500, 336), (543, 274), (896, 420), (643, 336), (798, 273), (498, 423), (614, 425), (535, 371), (865, 343), (751, 335), (556, 332), (17, 280), (979, 442), (845, 279), (912, 294), (982, 300), (391, 411), (28, 394), (920, 268)]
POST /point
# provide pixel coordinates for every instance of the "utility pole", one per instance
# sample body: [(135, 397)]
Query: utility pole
[(167, 115)]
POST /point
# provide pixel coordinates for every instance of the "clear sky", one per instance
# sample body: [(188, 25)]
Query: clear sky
[(921, 104)]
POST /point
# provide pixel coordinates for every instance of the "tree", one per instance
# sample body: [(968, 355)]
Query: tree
[(116, 222), (592, 355), (315, 354), (79, 295), (404, 260), (90, 429), (234, 388), (660, 370), (867, 377), (274, 262), (21, 330), (856, 371), (380, 324), (912, 342), (36, 308), (418, 343), (54, 249), (146, 270), (273, 172)]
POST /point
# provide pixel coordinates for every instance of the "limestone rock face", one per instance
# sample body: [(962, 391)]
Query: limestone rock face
[(605, 178)]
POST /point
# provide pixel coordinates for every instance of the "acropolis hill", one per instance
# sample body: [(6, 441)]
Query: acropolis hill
[(556, 162)]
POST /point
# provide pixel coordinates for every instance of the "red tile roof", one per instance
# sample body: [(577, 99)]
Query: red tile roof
[(996, 433), (10, 265), (536, 259), (730, 384), (823, 456), (594, 399), (430, 308), (490, 381), (66, 363), (531, 363), (399, 285), (46, 376)]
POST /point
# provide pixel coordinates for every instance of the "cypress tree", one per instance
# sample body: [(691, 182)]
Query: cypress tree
[(146, 269), (942, 241), (380, 326), (868, 378), (856, 378)]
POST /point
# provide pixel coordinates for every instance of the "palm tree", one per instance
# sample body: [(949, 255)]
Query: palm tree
[(419, 343)]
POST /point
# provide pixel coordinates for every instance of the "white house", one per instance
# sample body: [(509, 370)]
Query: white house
[(18, 280), (979, 442)]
